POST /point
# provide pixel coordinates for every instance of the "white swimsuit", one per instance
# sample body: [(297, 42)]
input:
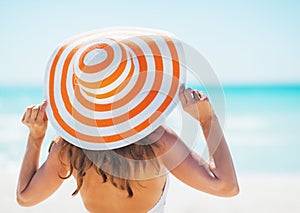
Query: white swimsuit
[(160, 205)]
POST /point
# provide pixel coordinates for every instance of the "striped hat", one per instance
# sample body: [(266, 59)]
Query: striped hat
[(110, 88)]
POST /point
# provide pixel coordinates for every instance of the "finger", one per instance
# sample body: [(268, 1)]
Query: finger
[(23, 118), (181, 95), (199, 93), (41, 113), (34, 112), (188, 96), (202, 95), (39, 116), (181, 89), (44, 107), (27, 114), (196, 95), (45, 116)]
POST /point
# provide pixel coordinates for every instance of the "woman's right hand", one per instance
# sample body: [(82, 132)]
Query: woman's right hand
[(36, 120), (197, 104)]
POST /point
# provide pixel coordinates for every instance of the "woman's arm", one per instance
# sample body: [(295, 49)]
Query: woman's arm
[(36, 184), (217, 177)]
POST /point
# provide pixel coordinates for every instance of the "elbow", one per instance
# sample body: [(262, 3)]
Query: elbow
[(225, 188), (23, 202), (229, 190)]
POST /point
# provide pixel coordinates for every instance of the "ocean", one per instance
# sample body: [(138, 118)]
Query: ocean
[(261, 126)]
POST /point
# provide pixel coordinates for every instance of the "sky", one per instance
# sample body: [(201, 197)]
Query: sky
[(245, 42)]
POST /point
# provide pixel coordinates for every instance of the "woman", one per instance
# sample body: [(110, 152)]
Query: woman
[(104, 191)]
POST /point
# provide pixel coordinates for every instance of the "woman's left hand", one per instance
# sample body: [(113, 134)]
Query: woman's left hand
[(36, 120)]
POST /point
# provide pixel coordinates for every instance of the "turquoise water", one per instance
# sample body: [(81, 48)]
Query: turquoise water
[(261, 126)]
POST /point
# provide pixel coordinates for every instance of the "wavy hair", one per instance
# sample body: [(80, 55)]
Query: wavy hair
[(116, 166)]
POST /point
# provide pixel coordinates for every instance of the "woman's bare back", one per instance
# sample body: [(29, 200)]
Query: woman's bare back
[(99, 196)]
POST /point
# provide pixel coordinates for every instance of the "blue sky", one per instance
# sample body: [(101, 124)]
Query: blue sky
[(246, 42)]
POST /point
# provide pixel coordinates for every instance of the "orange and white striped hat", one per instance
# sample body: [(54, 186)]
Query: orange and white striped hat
[(109, 88)]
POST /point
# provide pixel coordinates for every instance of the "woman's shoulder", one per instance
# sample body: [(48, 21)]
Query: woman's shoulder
[(57, 150), (56, 145), (164, 138)]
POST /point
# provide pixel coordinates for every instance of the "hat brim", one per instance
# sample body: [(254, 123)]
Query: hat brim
[(110, 88)]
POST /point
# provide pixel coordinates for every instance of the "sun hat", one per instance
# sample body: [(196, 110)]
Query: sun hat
[(112, 87)]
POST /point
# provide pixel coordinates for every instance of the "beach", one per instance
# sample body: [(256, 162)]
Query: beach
[(243, 54), (258, 193)]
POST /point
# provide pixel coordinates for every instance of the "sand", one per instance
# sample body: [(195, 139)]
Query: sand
[(259, 193)]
